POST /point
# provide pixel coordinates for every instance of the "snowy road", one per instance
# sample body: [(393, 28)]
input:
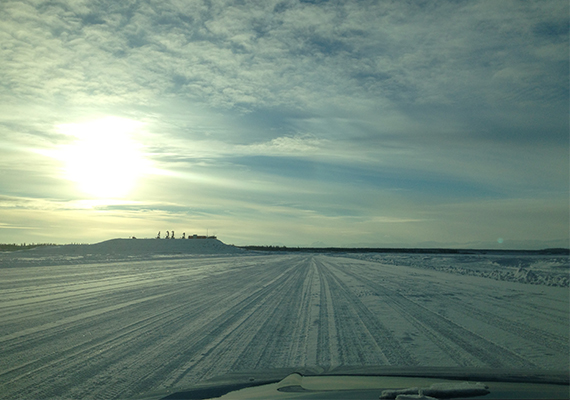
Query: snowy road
[(112, 330)]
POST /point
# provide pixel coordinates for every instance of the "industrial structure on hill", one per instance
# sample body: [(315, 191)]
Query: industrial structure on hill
[(170, 235)]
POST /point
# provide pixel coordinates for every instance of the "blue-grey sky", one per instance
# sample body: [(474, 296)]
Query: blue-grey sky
[(298, 123)]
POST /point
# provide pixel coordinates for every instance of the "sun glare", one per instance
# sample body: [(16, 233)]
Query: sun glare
[(104, 159)]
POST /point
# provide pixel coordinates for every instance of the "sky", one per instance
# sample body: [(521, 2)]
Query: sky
[(291, 123)]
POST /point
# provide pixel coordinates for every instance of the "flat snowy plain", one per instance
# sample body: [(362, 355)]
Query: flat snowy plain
[(90, 323)]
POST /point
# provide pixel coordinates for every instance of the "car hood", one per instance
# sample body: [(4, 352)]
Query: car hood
[(373, 383)]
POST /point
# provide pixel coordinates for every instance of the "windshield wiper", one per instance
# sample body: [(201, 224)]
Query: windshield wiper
[(439, 391)]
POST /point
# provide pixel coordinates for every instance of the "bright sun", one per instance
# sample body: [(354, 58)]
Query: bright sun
[(104, 159)]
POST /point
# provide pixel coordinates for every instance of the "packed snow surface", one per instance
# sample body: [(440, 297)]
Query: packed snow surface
[(550, 270), (127, 322)]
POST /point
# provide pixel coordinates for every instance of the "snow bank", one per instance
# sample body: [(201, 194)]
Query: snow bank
[(116, 250), (531, 269)]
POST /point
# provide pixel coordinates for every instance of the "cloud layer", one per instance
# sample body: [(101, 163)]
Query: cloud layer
[(294, 122)]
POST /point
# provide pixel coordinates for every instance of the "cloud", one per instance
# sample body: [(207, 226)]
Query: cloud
[(285, 145), (327, 109), (18, 227), (296, 55)]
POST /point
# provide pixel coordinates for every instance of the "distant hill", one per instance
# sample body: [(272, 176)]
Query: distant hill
[(164, 246), (115, 250)]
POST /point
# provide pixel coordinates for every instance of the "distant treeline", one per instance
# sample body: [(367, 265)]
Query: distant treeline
[(403, 250), (22, 246)]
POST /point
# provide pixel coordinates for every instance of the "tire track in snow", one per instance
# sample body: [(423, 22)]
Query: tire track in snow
[(521, 306), (328, 353), (97, 363), (277, 327), (199, 345), (84, 318), (303, 351), (238, 312), (360, 330), (56, 357), (535, 335), (437, 326), (78, 363), (234, 329)]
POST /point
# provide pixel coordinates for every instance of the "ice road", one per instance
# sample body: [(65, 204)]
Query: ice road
[(117, 329)]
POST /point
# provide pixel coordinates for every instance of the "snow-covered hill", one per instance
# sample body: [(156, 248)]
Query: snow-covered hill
[(116, 250), (162, 246)]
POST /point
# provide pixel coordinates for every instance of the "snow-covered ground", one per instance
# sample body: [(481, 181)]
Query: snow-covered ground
[(118, 325), (550, 270)]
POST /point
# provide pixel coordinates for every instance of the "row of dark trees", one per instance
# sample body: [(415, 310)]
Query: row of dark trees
[(23, 246)]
